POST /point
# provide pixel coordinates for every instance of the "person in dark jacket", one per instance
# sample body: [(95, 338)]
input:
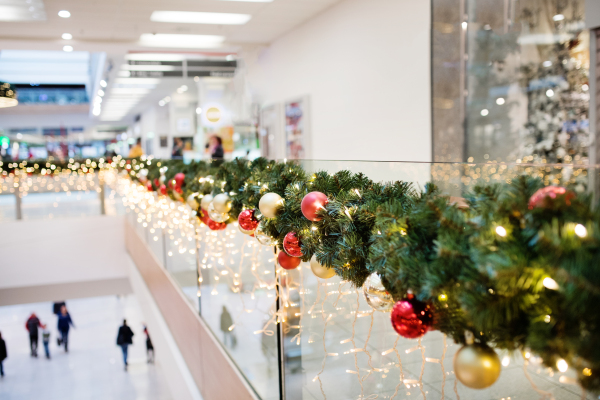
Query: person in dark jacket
[(124, 339), (216, 148), (64, 323), (3, 354), (32, 325), (149, 347)]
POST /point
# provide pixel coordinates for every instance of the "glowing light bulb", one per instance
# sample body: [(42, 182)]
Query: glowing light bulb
[(580, 231), (506, 361), (550, 283), (501, 231), (562, 365)]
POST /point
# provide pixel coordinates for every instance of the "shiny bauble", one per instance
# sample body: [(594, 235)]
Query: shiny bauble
[(222, 203), (262, 237), (179, 179), (206, 200), (311, 203), (162, 179), (216, 226), (162, 190), (156, 182), (376, 295), (215, 215), (192, 202), (412, 318), (320, 270), (291, 245), (287, 262), (204, 216), (149, 186), (477, 366), (544, 196), (246, 232), (269, 204), (177, 194), (247, 220)]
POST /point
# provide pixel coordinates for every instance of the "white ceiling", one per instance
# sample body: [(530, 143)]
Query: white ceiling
[(93, 22)]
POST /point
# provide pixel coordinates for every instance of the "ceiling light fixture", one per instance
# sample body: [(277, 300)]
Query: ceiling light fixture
[(68, 49), (64, 14), (193, 17), (558, 17), (103, 83), (100, 92), (67, 36), (8, 95), (180, 41)]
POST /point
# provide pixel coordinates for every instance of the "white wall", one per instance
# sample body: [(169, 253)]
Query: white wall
[(366, 66), (48, 260)]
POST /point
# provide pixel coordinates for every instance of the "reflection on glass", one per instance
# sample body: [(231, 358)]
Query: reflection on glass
[(527, 81)]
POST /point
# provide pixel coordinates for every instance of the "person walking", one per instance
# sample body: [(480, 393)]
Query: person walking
[(124, 339), (32, 325), (64, 323), (149, 347), (46, 341), (3, 354), (226, 322)]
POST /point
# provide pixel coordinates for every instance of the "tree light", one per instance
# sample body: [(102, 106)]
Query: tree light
[(580, 231), (501, 231), (562, 365), (484, 112), (550, 283), (506, 361)]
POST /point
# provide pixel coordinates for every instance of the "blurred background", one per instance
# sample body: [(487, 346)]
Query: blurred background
[(446, 80)]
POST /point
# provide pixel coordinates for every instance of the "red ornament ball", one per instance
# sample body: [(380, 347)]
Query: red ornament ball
[(216, 226), (540, 198), (291, 245), (311, 203), (204, 216), (179, 178), (287, 262), (412, 318), (149, 186), (156, 182), (163, 190), (247, 220)]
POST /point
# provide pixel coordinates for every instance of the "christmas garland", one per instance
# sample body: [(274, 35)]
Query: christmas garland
[(517, 267)]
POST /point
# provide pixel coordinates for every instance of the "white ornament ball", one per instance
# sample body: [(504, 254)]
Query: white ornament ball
[(376, 295), (192, 202), (222, 203), (206, 200), (269, 204), (262, 237), (215, 215), (320, 270)]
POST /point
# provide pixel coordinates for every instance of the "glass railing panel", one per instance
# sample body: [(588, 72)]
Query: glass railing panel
[(238, 303), (181, 263)]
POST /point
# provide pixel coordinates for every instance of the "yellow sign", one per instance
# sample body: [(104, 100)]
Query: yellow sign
[(213, 114)]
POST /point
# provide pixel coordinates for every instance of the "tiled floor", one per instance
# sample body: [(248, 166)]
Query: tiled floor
[(93, 368)]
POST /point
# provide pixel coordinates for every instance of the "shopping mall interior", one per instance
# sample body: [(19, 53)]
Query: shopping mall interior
[(299, 199)]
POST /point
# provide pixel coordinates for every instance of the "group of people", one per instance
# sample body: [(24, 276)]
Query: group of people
[(125, 339), (33, 325), (214, 147)]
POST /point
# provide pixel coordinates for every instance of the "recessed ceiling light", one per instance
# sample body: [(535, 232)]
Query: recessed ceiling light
[(558, 17), (500, 101), (103, 83), (67, 36), (484, 112), (64, 14), (68, 48), (192, 17), (180, 41)]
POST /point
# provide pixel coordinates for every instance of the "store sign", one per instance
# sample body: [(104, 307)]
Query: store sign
[(213, 114)]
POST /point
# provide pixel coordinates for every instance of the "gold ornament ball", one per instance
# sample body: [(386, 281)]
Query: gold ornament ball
[(206, 200), (222, 203), (269, 204), (320, 270), (477, 366), (192, 202), (262, 237)]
